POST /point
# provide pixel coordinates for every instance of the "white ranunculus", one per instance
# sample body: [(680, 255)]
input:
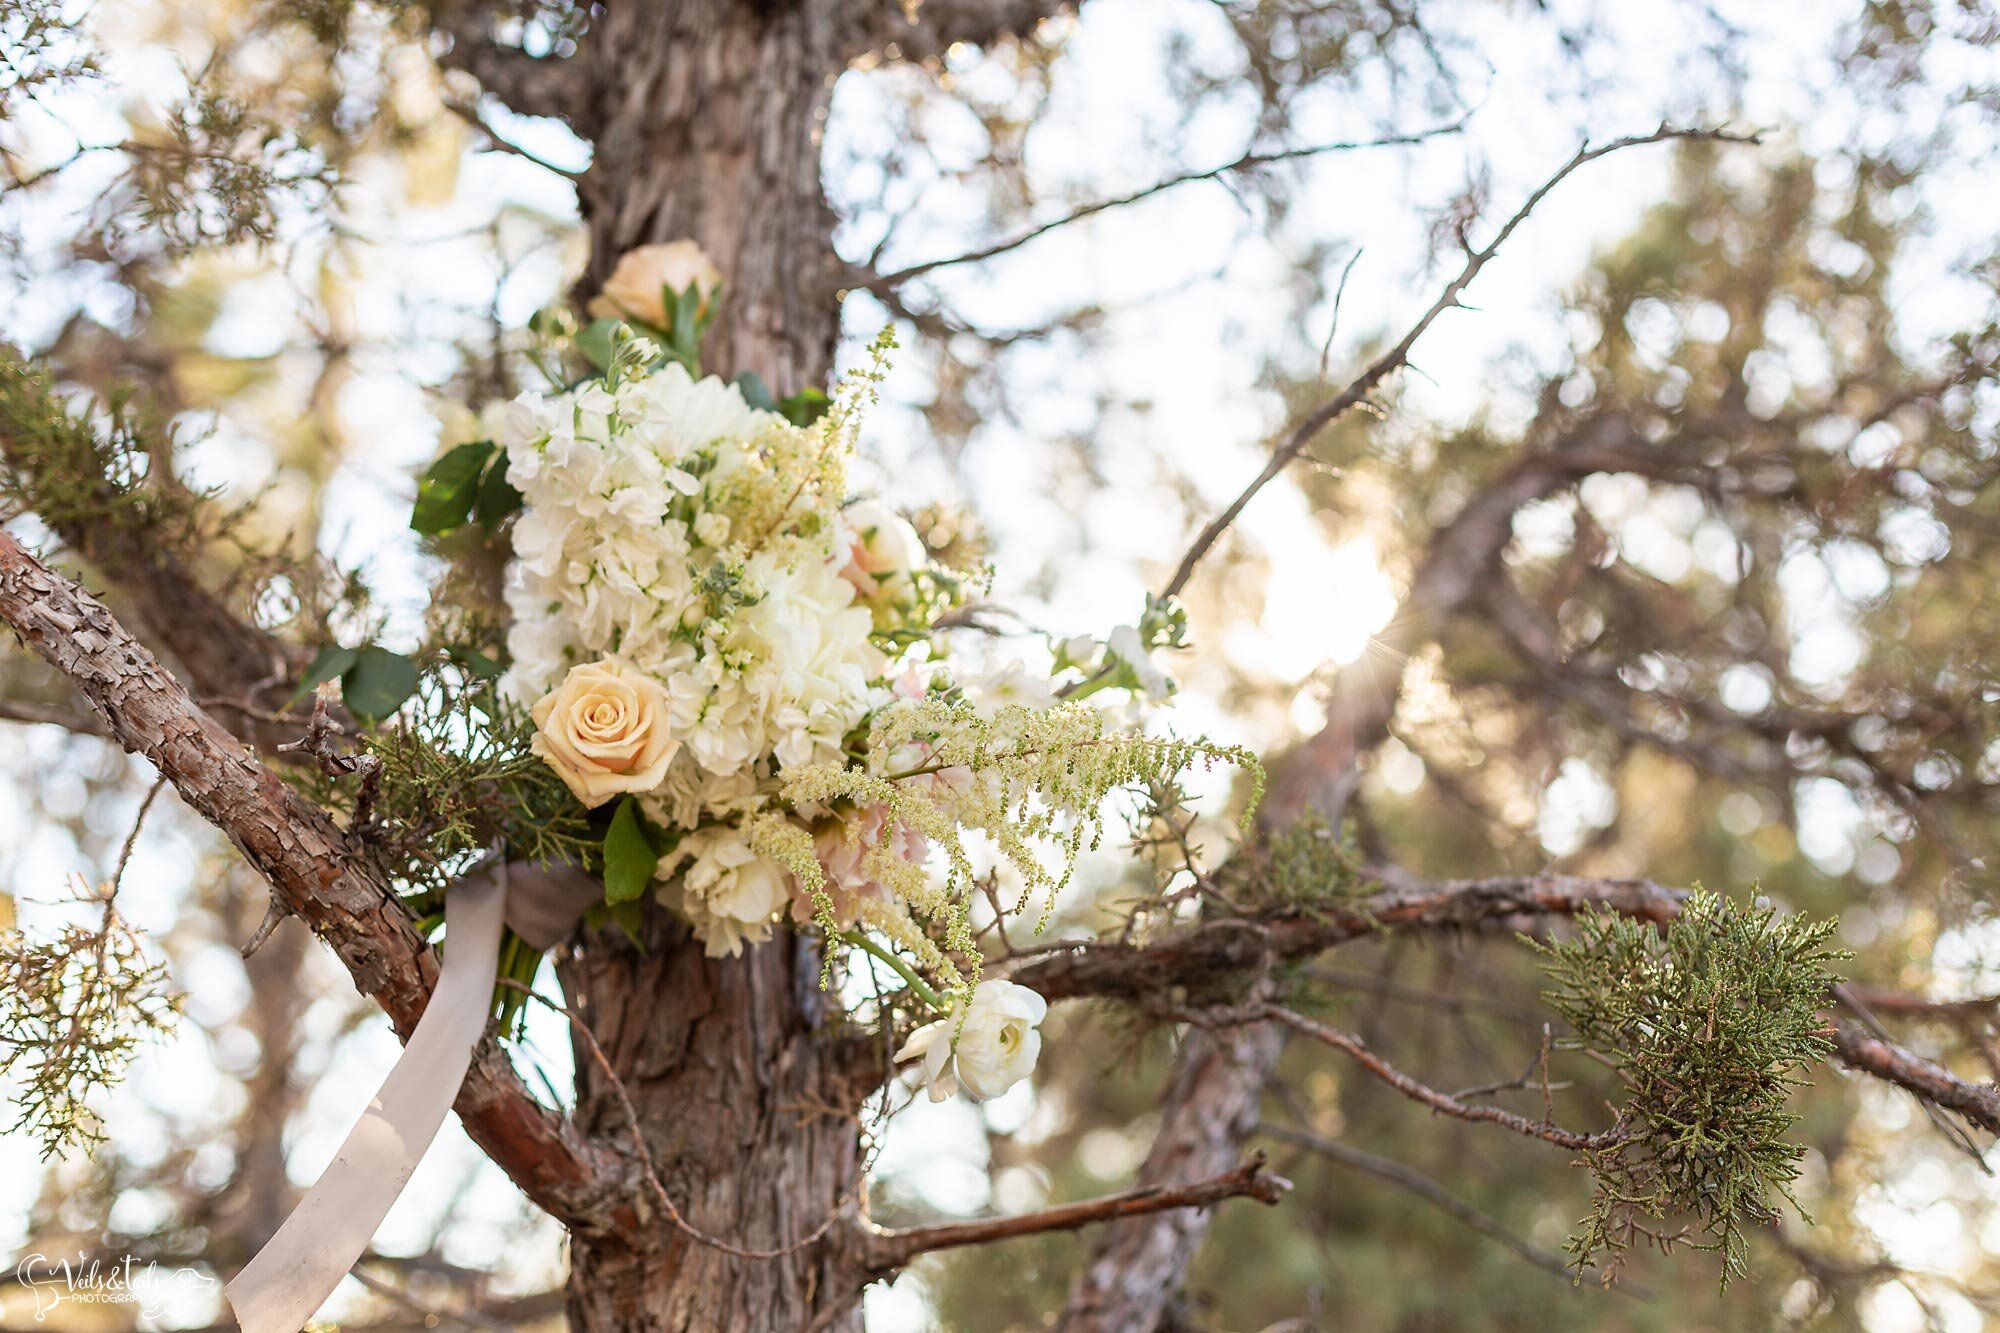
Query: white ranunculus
[(996, 1048), (604, 731), (633, 289), (883, 551), (1012, 683)]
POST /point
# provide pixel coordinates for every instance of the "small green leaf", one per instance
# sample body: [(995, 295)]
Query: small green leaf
[(378, 682), (332, 661), (684, 318), (804, 407), (628, 917), (478, 663), (755, 392), (446, 492), (497, 496), (595, 342), (629, 860)]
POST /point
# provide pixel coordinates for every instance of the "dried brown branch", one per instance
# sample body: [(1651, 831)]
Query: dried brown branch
[(884, 1251), (1415, 1182), (307, 862), (1418, 1091), (1250, 160), (1929, 1081), (1398, 356), (1217, 948)]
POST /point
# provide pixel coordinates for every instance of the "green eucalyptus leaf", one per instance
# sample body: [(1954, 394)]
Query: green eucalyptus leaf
[(478, 663), (446, 492), (684, 318), (497, 498), (804, 407), (629, 859), (755, 392), (595, 343), (331, 662), (378, 683)]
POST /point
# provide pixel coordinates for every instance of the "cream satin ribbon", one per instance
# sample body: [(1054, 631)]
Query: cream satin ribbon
[(291, 1277)]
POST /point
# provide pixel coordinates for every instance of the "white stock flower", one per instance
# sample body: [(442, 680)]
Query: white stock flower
[(633, 289), (728, 893), (604, 731), (1126, 645), (996, 1048)]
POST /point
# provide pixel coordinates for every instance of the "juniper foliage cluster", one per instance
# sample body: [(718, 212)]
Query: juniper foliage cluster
[(456, 777), (1709, 1026), (73, 1010), (1308, 864), (81, 472)]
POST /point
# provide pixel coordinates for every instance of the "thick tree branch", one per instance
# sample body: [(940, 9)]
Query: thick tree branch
[(1236, 945), (1199, 956), (311, 868), (927, 29), (884, 1251), (1927, 1080)]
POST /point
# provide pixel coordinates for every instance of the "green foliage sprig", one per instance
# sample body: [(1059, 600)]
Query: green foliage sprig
[(1709, 1025), (456, 777), (73, 1010), (85, 474)]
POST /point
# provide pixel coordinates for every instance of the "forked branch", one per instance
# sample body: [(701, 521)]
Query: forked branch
[(885, 1250), (1398, 356)]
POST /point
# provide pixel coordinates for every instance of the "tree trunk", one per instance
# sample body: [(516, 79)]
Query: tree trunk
[(746, 1098), (706, 117)]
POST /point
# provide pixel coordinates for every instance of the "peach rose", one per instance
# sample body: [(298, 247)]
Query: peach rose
[(604, 731), (633, 289)]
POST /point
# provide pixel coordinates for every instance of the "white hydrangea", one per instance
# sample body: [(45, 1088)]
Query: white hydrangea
[(700, 541)]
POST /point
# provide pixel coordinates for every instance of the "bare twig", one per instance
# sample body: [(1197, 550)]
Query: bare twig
[(1430, 1191), (886, 1250), (1397, 356), (1247, 162), (273, 916), (1929, 1081), (1441, 1102)]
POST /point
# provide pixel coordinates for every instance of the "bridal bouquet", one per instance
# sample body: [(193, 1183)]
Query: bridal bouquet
[(742, 677)]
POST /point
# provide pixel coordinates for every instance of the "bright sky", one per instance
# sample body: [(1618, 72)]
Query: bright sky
[(1195, 353)]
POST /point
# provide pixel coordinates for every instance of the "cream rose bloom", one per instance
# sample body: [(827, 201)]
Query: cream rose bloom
[(883, 550), (604, 731), (996, 1049), (633, 289)]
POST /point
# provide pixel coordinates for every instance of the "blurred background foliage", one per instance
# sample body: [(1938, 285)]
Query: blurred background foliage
[(1751, 639)]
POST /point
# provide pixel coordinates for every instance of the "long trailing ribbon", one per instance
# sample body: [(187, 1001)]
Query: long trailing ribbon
[(291, 1277)]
